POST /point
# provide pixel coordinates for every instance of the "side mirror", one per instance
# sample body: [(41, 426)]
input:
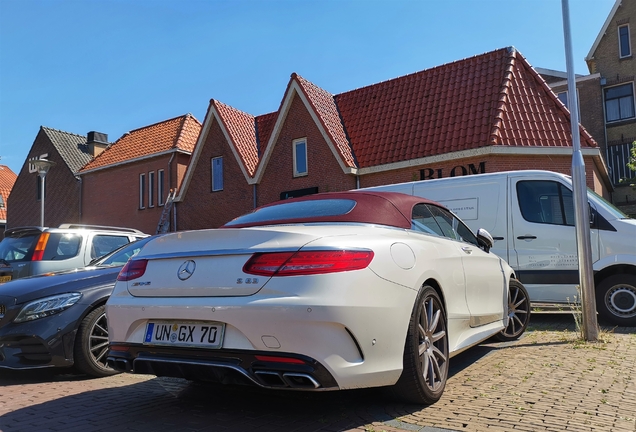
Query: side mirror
[(592, 213), (485, 239)]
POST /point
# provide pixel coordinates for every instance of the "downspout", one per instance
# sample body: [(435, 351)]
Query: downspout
[(173, 225), (254, 196), (81, 187), (357, 182)]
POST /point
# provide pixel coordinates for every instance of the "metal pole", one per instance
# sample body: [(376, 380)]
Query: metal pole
[(581, 206), (42, 176)]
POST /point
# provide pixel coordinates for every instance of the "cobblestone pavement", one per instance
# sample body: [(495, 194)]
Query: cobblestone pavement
[(547, 381)]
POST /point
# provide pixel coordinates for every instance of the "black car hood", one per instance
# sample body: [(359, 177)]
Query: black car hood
[(31, 288)]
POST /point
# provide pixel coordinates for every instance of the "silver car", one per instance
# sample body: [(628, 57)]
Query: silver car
[(29, 251)]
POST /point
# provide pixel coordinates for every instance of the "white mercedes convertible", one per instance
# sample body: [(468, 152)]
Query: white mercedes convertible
[(331, 291)]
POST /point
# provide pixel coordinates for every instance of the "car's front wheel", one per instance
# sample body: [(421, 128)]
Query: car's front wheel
[(616, 299), (91, 345), (426, 351), (518, 312)]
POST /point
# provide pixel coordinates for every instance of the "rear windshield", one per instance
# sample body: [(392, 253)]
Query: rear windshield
[(14, 249), (296, 211)]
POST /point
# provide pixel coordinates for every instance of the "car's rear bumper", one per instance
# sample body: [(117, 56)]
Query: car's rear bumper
[(261, 368), (355, 332)]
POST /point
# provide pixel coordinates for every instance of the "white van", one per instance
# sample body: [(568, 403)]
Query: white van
[(530, 215)]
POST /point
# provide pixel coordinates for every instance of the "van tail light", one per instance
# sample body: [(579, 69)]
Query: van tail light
[(307, 262), (38, 253), (132, 270)]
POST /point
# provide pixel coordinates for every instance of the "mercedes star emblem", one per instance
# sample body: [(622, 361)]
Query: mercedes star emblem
[(186, 269)]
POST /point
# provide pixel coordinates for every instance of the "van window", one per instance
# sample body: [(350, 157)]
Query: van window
[(547, 202)]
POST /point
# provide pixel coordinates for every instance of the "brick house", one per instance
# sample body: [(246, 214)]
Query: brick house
[(488, 113), (129, 182), (606, 97), (62, 198), (7, 180)]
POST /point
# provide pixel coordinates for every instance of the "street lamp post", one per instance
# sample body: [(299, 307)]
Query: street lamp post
[(43, 166)]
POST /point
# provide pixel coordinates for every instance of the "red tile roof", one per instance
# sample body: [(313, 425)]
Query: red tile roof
[(176, 133), (241, 128), (325, 107), (493, 99), (7, 179)]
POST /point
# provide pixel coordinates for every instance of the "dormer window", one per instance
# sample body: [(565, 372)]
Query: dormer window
[(300, 157), (624, 45)]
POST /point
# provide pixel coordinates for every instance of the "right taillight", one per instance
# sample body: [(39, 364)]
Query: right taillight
[(132, 270), (38, 253), (307, 262)]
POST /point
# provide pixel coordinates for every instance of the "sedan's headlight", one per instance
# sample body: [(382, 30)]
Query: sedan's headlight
[(47, 306)]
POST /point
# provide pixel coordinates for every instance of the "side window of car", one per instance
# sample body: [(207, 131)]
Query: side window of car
[(546, 202), (452, 227), (103, 244), (422, 220), (61, 246)]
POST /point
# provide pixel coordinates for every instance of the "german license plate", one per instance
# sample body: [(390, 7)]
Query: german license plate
[(5, 279), (186, 334)]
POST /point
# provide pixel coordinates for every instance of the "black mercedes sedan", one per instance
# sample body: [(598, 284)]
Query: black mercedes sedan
[(58, 320)]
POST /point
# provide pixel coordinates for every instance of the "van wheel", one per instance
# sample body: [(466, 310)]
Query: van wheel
[(91, 345), (426, 351), (616, 299), (518, 312)]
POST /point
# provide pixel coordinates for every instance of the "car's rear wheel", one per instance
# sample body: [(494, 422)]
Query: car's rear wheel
[(616, 300), (426, 351), (518, 312), (91, 345)]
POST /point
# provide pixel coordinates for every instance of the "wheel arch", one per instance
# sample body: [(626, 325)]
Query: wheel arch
[(613, 270), (438, 288)]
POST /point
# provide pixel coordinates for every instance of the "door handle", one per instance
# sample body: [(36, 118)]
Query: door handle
[(526, 237), (467, 250), (497, 238)]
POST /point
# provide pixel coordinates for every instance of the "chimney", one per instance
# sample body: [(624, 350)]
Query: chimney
[(97, 142)]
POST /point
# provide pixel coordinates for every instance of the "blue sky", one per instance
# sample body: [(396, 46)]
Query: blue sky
[(116, 65)]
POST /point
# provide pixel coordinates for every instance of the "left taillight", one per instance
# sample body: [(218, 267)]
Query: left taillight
[(132, 270), (307, 262), (38, 253)]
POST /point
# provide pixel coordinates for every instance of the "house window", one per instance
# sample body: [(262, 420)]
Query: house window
[(217, 174), (624, 47), (619, 102), (300, 157), (142, 190), (151, 189), (563, 97), (160, 190), (1, 202)]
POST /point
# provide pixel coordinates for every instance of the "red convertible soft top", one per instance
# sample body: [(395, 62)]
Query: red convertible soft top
[(382, 208)]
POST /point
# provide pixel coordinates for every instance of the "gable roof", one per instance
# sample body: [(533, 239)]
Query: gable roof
[(7, 180), (179, 133), (72, 148), (597, 41), (492, 99)]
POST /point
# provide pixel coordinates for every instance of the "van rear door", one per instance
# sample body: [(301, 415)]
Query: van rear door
[(544, 238)]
